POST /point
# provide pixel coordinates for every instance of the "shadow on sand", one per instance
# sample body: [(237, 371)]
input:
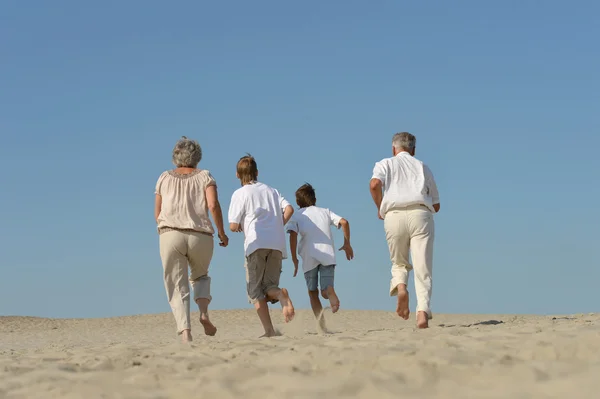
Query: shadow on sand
[(481, 323)]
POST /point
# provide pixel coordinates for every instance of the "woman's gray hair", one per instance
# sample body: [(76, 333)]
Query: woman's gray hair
[(187, 153), (404, 141)]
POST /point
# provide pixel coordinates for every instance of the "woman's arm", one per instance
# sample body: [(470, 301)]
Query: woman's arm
[(212, 200), (157, 206)]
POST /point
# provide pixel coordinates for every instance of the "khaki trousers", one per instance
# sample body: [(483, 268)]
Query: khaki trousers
[(263, 271), (178, 249), (411, 230)]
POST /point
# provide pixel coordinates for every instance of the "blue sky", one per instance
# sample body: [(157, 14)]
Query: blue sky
[(502, 96)]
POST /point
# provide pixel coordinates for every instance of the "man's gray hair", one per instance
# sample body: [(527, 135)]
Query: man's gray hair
[(187, 153), (404, 141)]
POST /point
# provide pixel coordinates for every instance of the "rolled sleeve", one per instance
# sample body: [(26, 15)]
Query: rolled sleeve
[(292, 226), (157, 188), (236, 209), (378, 172), (431, 186), (283, 203), (210, 180), (334, 219)]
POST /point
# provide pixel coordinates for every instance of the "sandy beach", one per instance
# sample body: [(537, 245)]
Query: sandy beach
[(368, 354)]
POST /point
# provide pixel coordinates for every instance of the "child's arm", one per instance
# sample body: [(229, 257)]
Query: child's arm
[(293, 250), (236, 213), (347, 248), (287, 214)]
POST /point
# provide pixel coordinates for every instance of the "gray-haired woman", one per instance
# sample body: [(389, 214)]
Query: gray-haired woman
[(184, 197)]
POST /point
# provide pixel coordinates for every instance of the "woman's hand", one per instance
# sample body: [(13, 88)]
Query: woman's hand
[(224, 240)]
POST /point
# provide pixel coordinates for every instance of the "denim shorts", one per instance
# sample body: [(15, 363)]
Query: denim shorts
[(325, 273)]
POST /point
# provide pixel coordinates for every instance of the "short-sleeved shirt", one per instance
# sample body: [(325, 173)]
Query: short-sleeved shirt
[(406, 181), (316, 246), (184, 203), (258, 208)]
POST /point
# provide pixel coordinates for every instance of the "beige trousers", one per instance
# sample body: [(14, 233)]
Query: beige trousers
[(411, 231), (178, 249)]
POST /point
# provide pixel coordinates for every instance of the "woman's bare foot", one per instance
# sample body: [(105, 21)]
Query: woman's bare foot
[(286, 305), (186, 336), (334, 301), (422, 319), (209, 328), (402, 309)]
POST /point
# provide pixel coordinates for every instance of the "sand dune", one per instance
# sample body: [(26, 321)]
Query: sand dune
[(369, 354)]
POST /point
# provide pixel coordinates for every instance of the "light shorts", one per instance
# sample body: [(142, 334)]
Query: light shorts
[(324, 273)]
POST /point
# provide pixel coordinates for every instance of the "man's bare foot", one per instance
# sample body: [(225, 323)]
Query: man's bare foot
[(402, 309), (422, 319), (286, 305), (334, 301), (186, 336), (209, 328)]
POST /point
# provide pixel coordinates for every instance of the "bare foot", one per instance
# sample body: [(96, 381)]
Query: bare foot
[(321, 326), (402, 309), (270, 334), (209, 328), (334, 301), (286, 305), (422, 320), (186, 336)]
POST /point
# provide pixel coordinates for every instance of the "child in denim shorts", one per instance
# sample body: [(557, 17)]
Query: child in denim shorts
[(316, 247)]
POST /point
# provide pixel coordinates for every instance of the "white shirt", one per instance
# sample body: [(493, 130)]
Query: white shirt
[(259, 209), (406, 181), (316, 247)]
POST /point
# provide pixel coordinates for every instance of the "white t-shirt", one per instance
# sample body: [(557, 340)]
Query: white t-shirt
[(313, 225), (259, 209), (406, 181)]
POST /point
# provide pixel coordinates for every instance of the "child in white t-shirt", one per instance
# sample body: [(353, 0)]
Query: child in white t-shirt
[(261, 213), (316, 247)]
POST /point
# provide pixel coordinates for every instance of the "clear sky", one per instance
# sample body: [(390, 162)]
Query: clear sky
[(503, 97)]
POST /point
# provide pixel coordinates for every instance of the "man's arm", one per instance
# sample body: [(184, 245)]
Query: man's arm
[(157, 206), (432, 187), (375, 187), (287, 214)]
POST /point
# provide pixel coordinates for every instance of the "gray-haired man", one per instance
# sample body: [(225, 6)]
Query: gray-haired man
[(406, 197)]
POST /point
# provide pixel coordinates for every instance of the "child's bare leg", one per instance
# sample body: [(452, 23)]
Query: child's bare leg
[(334, 301), (317, 308), (209, 328), (315, 303), (283, 296), (262, 309)]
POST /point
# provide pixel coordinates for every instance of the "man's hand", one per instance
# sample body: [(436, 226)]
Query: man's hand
[(224, 240), (379, 214), (295, 260), (347, 248)]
